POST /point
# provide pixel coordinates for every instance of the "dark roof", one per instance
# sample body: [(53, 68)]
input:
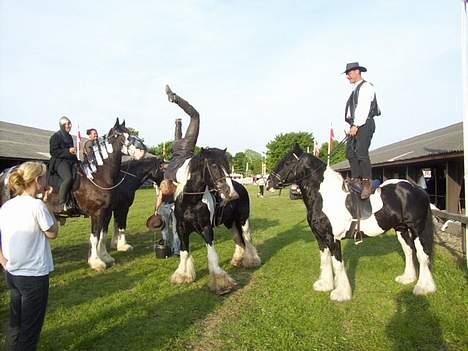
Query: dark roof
[(29, 143), (444, 141), (22, 142)]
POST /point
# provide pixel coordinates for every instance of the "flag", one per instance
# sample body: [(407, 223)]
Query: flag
[(78, 142), (332, 137)]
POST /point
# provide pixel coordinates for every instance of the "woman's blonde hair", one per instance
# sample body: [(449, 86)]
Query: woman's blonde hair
[(167, 187), (24, 175)]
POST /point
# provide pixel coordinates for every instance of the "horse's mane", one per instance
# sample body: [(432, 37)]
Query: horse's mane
[(215, 154)]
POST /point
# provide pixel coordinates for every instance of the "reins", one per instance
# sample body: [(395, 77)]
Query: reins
[(298, 159)]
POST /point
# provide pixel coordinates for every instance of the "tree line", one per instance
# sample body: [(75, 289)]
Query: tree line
[(249, 162)]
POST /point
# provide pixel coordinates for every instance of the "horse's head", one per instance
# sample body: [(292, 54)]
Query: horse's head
[(148, 168), (120, 138), (284, 172), (214, 167)]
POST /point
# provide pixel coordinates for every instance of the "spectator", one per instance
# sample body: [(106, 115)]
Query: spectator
[(165, 207), (27, 226), (261, 186)]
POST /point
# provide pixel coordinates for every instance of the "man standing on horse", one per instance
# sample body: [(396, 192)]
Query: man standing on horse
[(361, 108), (63, 157)]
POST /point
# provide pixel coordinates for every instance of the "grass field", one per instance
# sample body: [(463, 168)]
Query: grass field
[(133, 305)]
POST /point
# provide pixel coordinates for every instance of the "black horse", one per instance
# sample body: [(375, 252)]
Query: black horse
[(195, 210), (135, 173), (396, 204), (93, 196)]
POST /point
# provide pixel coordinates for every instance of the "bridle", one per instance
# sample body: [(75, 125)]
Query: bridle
[(213, 179), (282, 183)]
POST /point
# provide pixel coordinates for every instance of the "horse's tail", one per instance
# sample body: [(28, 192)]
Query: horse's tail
[(427, 235)]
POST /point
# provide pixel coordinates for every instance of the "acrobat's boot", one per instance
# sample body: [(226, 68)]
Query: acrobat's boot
[(172, 97)]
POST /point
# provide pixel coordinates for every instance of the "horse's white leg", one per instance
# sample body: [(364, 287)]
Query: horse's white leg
[(94, 261), (122, 244), (220, 281), (236, 260), (185, 272), (409, 274), (342, 291), (325, 280), (102, 249), (425, 284), (250, 258)]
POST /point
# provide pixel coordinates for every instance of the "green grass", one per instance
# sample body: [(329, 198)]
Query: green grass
[(133, 306)]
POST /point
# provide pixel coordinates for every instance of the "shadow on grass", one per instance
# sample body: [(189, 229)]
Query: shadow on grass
[(268, 248), (146, 324), (414, 326), (371, 247)]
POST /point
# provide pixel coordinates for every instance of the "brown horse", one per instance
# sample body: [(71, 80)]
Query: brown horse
[(93, 196)]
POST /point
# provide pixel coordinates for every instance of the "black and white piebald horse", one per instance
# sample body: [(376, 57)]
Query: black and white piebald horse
[(396, 204), (195, 210), (134, 173)]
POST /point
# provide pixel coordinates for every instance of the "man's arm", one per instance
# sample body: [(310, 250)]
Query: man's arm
[(158, 202)]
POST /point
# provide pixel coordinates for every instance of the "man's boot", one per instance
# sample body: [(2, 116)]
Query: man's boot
[(355, 185), (366, 189)]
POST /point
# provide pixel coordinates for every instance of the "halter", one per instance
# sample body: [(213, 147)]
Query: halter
[(283, 184)]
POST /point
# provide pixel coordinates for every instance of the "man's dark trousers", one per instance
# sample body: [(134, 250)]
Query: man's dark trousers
[(357, 151)]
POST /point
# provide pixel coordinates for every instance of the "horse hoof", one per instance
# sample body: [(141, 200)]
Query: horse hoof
[(235, 262), (125, 248), (222, 283), (402, 279), (336, 295), (251, 262), (321, 285), (97, 265), (423, 290), (181, 278)]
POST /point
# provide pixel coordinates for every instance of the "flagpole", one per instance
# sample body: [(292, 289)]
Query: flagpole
[(464, 59)]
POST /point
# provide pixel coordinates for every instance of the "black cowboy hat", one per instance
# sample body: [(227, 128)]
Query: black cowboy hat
[(155, 222), (354, 65)]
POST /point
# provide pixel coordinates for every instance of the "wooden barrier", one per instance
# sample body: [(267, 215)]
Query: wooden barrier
[(456, 217)]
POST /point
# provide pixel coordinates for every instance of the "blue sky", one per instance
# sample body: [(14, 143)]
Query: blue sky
[(253, 69)]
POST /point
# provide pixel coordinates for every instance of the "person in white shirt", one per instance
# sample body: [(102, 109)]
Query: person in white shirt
[(361, 108), (261, 186), (26, 226)]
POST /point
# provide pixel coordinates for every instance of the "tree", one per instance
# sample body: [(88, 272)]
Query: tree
[(133, 131), (255, 160), (283, 143), (239, 162), (338, 155)]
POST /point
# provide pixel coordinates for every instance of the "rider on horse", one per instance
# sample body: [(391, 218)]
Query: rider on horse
[(63, 157)]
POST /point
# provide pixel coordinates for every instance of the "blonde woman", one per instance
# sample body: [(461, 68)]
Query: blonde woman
[(165, 207), (26, 226)]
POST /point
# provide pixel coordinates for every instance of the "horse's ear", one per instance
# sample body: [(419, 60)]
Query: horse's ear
[(225, 149), (123, 123), (116, 122)]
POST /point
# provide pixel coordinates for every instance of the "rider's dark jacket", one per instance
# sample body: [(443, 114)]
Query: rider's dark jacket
[(60, 143)]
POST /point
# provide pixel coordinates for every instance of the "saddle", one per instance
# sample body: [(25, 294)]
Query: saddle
[(55, 181), (358, 208)]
